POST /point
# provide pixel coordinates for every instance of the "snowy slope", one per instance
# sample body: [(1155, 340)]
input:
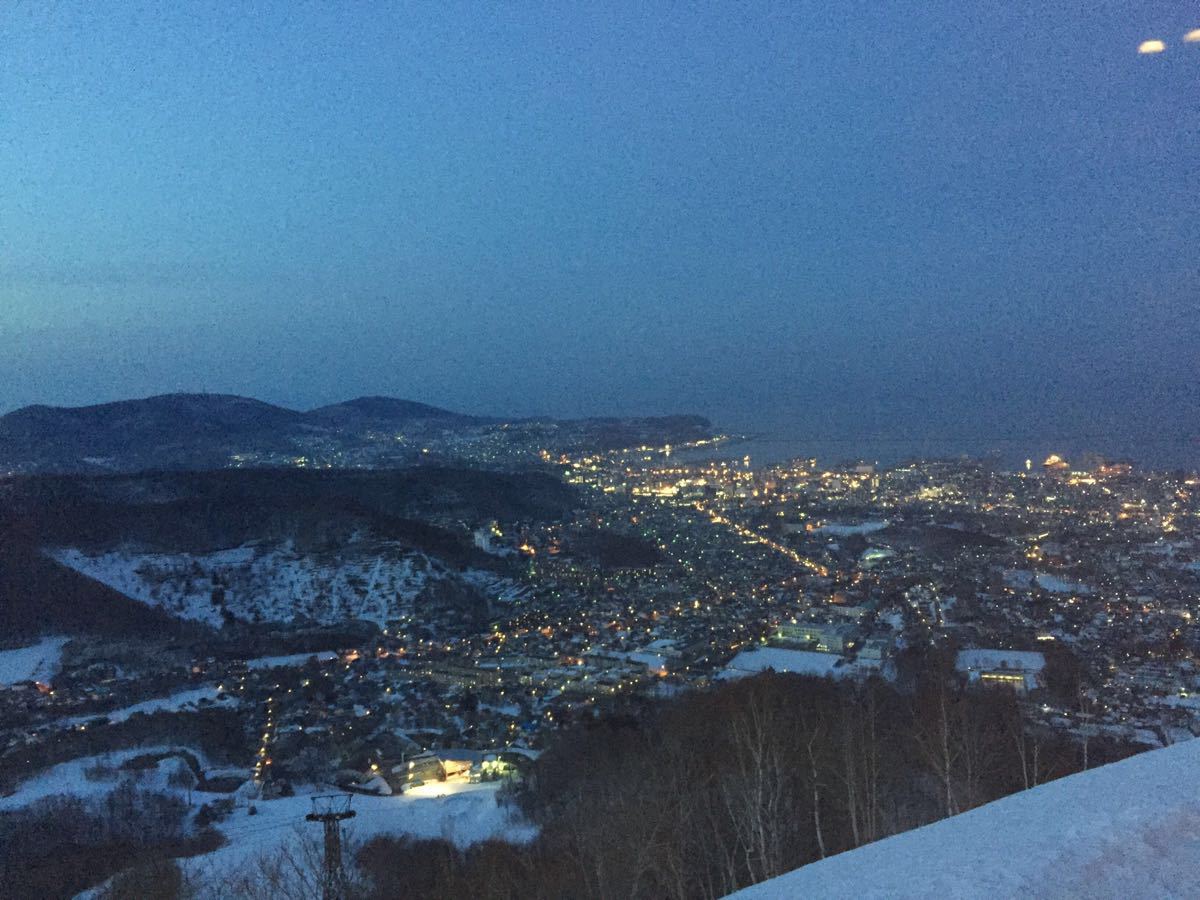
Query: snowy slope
[(39, 662), (182, 701), (464, 814), (1127, 830), (368, 580), (71, 779)]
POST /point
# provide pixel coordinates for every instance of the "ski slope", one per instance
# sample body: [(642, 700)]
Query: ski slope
[(1127, 830), (463, 814), (456, 811)]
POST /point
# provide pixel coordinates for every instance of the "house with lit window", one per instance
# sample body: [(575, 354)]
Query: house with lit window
[(1019, 670)]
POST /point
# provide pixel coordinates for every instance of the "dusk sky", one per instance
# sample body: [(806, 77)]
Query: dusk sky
[(851, 218)]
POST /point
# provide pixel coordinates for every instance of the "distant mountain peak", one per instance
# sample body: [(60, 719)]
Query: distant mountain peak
[(199, 431), (380, 408)]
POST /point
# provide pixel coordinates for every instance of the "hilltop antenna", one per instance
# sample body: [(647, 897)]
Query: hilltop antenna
[(331, 810)]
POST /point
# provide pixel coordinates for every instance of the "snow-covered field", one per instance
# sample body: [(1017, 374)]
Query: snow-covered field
[(39, 662), (293, 659), (69, 778), (371, 581), (1127, 830)]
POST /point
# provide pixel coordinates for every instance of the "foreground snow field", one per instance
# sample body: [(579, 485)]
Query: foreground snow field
[(1127, 830), (463, 814), (459, 812)]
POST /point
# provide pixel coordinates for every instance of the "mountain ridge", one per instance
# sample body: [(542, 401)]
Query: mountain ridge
[(179, 399), (182, 431)]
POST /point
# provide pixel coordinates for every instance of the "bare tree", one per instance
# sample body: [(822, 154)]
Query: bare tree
[(934, 741), (859, 769), (815, 785), (183, 779), (755, 788)]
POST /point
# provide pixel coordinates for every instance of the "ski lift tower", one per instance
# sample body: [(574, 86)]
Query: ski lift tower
[(331, 810)]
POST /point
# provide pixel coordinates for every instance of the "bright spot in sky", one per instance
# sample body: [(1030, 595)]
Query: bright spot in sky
[(1192, 37), (1151, 47)]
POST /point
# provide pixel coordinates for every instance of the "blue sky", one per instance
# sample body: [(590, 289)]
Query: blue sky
[(849, 218)]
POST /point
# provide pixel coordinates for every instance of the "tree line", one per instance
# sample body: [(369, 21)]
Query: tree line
[(690, 797)]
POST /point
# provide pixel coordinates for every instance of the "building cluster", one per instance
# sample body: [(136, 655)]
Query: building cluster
[(1078, 588)]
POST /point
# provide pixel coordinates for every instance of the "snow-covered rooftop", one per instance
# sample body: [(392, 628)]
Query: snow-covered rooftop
[(991, 660), (842, 530), (800, 662)]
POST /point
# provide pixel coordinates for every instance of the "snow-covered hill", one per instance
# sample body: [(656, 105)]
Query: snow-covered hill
[(464, 814), (39, 662), (1127, 830), (275, 583)]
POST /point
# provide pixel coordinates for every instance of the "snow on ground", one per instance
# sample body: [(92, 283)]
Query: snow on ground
[(294, 659), (656, 662), (461, 813), (1018, 578), (189, 700), (800, 662), (371, 581), (1024, 579), (70, 778), (39, 662), (1127, 830), (1190, 702)]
